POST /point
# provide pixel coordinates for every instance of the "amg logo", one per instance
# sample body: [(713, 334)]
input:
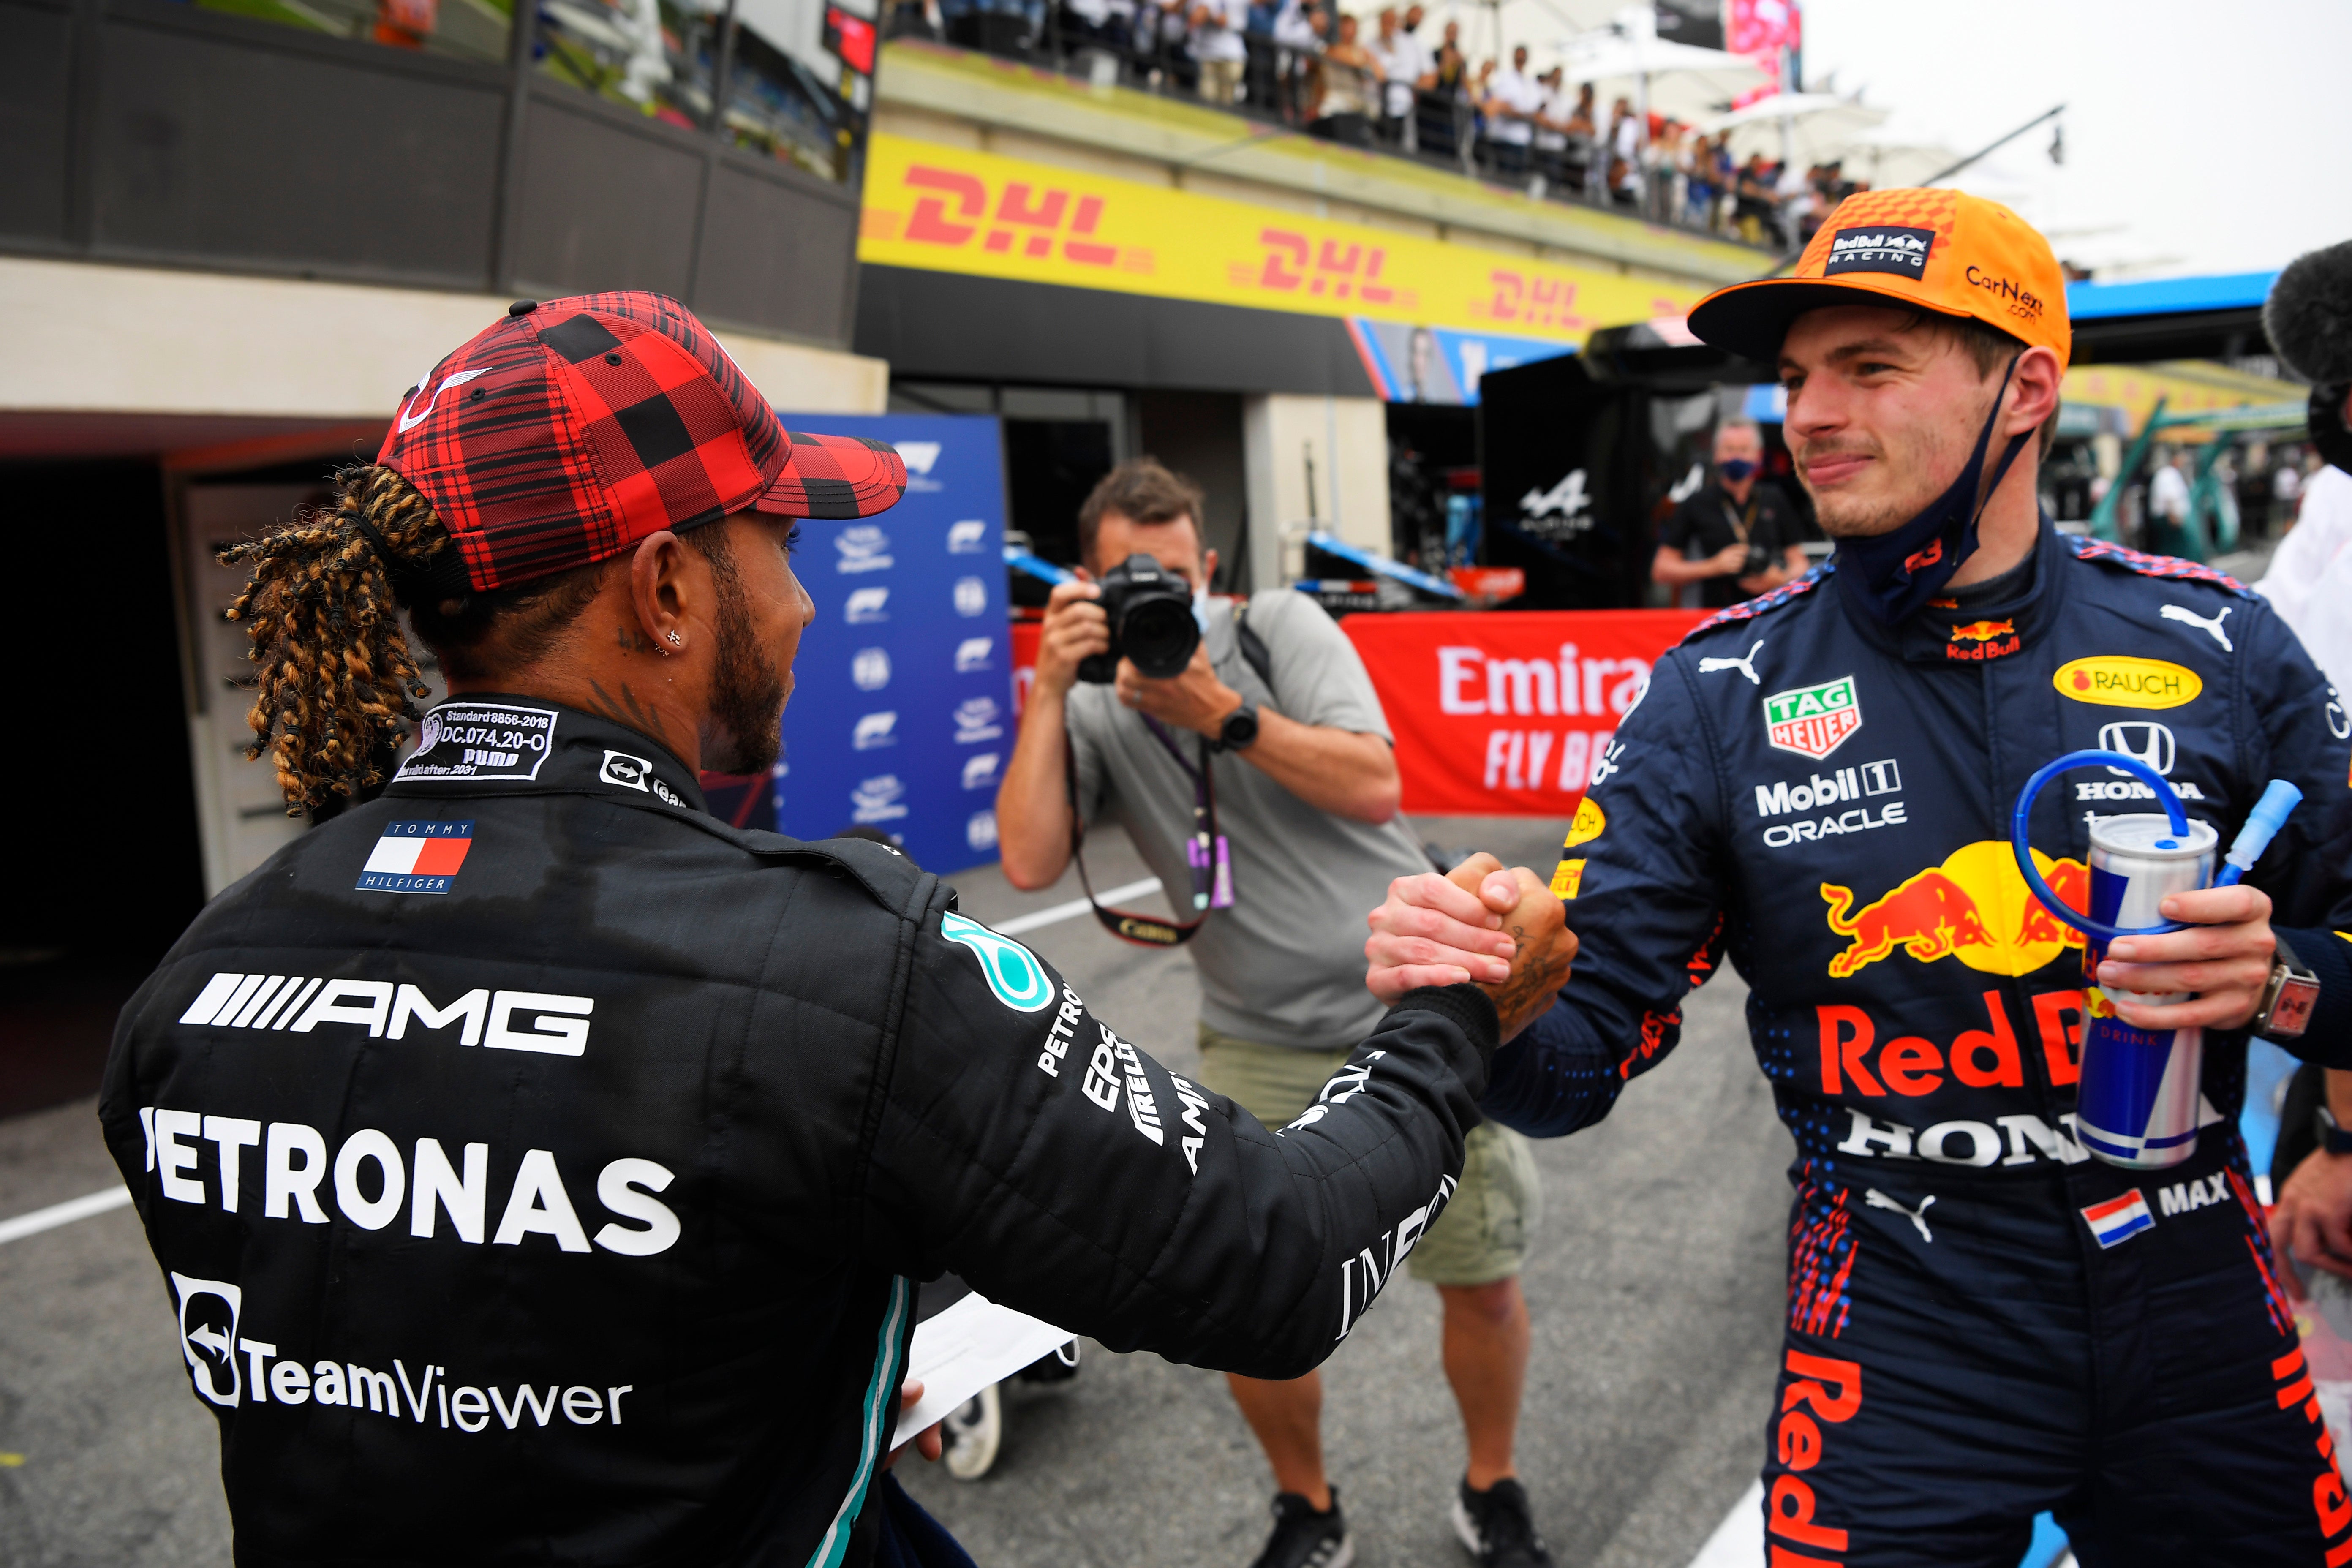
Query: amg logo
[(559, 1025)]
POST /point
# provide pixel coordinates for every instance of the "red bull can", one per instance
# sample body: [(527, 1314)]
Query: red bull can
[(2141, 1096)]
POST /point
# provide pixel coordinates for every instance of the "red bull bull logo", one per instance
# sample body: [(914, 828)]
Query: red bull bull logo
[(1983, 639), (1974, 907)]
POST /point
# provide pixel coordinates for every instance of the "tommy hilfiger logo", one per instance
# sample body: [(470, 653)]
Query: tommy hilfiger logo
[(416, 858)]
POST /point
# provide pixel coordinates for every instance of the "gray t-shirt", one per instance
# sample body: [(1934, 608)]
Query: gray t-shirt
[(1285, 965)]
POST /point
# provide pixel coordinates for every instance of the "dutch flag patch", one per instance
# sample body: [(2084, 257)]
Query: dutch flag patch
[(2119, 1219), (417, 856)]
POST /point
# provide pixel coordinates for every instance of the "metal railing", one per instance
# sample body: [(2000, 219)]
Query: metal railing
[(1302, 87)]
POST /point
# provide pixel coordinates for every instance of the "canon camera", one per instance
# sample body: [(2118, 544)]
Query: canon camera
[(1150, 613)]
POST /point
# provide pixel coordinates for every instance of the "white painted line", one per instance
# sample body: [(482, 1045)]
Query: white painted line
[(1074, 907), (66, 1212), (1739, 1540)]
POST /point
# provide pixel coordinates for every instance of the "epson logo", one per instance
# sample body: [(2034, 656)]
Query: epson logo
[(971, 654), (874, 730), (557, 1025), (866, 607), (969, 537), (1828, 789)]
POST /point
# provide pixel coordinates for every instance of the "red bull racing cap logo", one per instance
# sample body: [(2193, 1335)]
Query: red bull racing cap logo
[(1813, 721), (1974, 907)]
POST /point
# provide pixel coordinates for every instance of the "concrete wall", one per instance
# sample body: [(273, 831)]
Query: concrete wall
[(87, 337), (1345, 442)]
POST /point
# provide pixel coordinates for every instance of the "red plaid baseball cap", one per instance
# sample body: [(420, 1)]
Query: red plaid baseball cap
[(570, 430)]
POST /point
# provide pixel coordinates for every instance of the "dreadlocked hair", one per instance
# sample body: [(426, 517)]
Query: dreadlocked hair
[(334, 693)]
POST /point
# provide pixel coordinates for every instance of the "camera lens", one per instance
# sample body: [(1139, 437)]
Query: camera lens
[(1158, 632)]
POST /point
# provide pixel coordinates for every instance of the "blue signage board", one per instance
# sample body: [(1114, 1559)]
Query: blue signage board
[(901, 713)]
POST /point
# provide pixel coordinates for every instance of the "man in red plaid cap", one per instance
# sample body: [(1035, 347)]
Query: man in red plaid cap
[(539, 1167)]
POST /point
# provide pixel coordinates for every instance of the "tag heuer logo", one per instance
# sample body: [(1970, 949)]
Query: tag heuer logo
[(1813, 721)]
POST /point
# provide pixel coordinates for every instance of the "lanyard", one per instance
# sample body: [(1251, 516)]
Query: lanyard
[(1205, 852)]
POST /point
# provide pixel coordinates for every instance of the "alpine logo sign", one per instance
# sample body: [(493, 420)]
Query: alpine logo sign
[(1813, 721)]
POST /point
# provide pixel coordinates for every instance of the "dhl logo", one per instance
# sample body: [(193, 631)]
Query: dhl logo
[(1974, 907), (1020, 216), (1293, 264)]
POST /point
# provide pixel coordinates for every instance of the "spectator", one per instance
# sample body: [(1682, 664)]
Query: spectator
[(1308, 800), (1752, 206), (1584, 143), (1349, 76), (2168, 504), (1403, 62), (1624, 153), (1699, 189), (2286, 488), (1512, 101), (1737, 537), (1217, 28), (1445, 97), (1298, 38), (1550, 144)]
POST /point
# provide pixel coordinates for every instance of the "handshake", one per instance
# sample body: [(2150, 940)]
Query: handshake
[(1502, 929)]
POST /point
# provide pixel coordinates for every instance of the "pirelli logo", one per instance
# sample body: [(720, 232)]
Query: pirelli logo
[(503, 1020)]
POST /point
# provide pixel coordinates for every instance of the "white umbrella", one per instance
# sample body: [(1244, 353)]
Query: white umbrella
[(1630, 47), (1828, 120)]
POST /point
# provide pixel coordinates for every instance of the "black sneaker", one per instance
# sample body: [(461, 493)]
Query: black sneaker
[(1303, 1538), (1496, 1527)]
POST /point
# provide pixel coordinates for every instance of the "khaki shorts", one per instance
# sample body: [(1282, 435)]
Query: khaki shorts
[(1483, 1235)]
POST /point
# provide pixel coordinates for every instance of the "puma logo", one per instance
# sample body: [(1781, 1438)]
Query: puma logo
[(1917, 1216), (1746, 667), (2214, 627)]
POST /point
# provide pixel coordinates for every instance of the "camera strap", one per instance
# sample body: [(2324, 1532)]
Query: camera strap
[(1204, 853)]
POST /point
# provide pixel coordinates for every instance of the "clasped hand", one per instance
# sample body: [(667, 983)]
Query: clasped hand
[(1502, 930)]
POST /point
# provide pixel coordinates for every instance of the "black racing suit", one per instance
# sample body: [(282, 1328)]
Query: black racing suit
[(540, 1169), (1827, 802)]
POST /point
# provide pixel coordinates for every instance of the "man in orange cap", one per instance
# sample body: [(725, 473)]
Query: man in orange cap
[(1985, 1322)]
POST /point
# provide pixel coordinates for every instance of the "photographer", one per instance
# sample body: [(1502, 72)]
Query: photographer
[(1292, 741), (1736, 537)]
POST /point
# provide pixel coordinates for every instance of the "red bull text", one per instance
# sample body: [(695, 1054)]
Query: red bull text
[(2141, 1095)]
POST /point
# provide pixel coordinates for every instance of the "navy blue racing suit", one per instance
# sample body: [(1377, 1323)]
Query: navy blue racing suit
[(1825, 800)]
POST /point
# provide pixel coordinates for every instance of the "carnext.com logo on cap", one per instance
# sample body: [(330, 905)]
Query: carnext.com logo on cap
[(1900, 251)]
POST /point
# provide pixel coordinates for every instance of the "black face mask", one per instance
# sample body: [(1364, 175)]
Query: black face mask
[(2327, 431), (1895, 574)]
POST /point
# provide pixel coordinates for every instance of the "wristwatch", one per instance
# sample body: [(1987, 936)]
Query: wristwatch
[(2332, 1138), (1240, 732), (2288, 998)]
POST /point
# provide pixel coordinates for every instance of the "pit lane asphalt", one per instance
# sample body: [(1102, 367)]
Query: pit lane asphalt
[(1655, 1287)]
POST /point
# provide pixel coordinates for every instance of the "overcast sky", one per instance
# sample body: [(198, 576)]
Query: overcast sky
[(2208, 135)]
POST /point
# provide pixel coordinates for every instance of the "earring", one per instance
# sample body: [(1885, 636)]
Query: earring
[(676, 640)]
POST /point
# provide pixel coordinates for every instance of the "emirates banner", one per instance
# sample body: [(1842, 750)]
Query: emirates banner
[(1509, 713)]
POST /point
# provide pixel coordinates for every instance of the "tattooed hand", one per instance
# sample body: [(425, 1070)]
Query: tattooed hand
[(1543, 946)]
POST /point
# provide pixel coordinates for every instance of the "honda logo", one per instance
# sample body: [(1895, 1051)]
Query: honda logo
[(2142, 740)]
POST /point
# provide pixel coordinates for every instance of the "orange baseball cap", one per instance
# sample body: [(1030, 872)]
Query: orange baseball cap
[(1939, 250)]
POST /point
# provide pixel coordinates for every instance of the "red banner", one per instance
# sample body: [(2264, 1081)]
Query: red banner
[(1508, 714)]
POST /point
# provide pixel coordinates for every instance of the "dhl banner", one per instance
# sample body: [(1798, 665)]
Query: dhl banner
[(1509, 713), (954, 210)]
